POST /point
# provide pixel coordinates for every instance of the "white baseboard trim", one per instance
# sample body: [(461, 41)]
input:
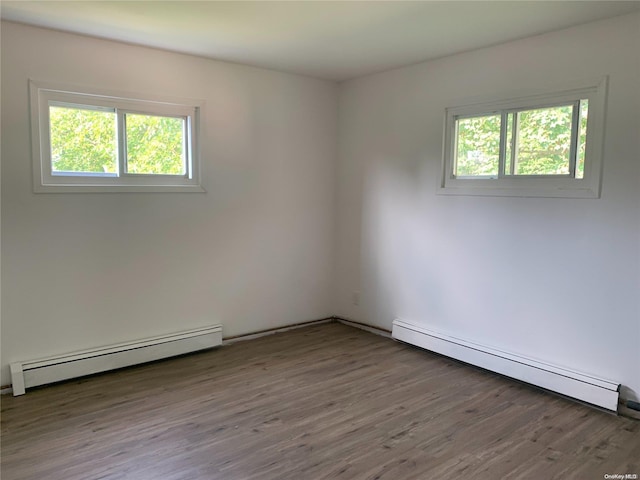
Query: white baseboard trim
[(584, 387), (42, 371)]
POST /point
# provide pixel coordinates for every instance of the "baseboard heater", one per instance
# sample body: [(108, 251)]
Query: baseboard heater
[(596, 391), (77, 364)]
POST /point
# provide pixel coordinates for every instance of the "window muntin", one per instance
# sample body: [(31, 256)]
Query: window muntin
[(84, 142), (545, 144)]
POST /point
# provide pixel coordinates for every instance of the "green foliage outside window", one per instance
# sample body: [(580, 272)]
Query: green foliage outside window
[(83, 140), (478, 146), (543, 141), (154, 144)]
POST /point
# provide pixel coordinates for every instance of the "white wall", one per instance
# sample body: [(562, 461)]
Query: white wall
[(254, 252), (554, 279)]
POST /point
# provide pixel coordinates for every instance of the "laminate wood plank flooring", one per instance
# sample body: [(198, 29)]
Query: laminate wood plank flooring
[(322, 402)]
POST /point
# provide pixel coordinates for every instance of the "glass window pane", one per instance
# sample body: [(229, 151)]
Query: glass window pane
[(155, 145), (508, 150), (543, 145), (582, 138), (477, 146), (83, 140)]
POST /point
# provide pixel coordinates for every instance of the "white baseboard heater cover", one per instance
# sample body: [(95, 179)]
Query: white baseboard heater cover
[(77, 364), (587, 388)]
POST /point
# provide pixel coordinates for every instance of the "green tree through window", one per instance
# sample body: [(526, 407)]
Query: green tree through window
[(155, 145), (83, 140)]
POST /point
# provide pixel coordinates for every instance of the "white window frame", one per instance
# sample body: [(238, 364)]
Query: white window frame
[(530, 185), (43, 95)]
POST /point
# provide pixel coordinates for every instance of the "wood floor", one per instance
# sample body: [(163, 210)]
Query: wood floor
[(323, 402)]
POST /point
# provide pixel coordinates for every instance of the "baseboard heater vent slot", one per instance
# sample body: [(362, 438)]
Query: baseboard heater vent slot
[(77, 364), (587, 388)]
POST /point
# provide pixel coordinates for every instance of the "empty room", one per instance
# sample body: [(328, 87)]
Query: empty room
[(320, 240)]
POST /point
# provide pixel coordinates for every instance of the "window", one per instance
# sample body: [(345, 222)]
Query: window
[(541, 145), (87, 141)]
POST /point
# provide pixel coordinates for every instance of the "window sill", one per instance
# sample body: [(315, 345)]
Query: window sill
[(520, 192), (119, 189)]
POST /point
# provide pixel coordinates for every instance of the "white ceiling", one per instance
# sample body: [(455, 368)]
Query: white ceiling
[(331, 40)]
